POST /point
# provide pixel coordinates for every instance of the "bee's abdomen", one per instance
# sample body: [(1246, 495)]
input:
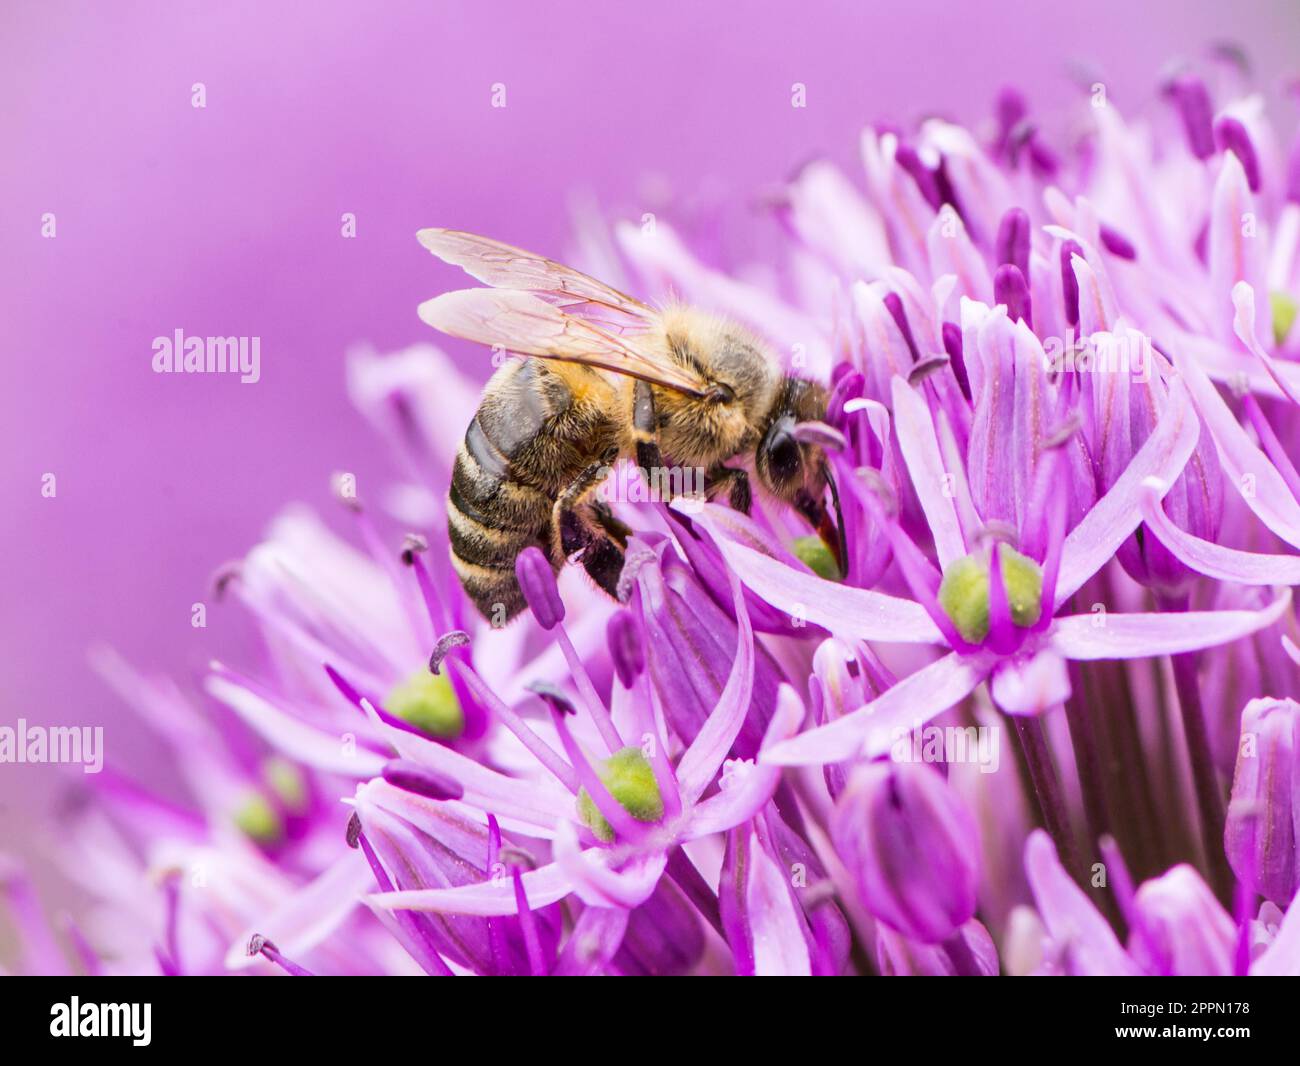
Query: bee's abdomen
[(484, 543), (497, 506)]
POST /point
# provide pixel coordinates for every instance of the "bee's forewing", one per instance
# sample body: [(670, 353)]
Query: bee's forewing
[(505, 267), (519, 321)]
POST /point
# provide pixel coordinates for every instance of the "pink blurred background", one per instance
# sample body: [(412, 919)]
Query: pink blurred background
[(226, 220)]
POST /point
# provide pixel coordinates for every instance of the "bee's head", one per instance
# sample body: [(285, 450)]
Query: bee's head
[(791, 463), (789, 460)]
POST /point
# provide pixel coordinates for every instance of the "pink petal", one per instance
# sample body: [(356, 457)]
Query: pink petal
[(873, 728), (543, 886), (1214, 560), (417, 385), (914, 428), (1243, 324), (593, 877), (299, 741), (850, 613), (1233, 255), (1077, 929), (700, 763), (780, 947), (831, 216), (1031, 686), (311, 914), (597, 935), (992, 460), (887, 353), (1137, 636), (662, 256), (951, 252), (1282, 957), (40, 952), (896, 195), (530, 805), (1243, 462), (1096, 300), (746, 786)]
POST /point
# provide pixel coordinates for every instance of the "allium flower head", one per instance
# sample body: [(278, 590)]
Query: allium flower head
[(1061, 381)]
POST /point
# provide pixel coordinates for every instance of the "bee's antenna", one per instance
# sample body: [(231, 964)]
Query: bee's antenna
[(841, 542)]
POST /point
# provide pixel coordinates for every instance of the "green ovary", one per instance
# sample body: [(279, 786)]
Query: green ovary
[(1284, 311), (288, 783), (813, 552), (428, 702), (258, 819), (630, 780), (964, 592)]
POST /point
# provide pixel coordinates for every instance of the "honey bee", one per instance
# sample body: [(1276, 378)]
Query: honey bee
[(609, 378)]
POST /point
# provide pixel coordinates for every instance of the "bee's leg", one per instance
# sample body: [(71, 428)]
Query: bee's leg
[(572, 521), (645, 430), (583, 525), (620, 531), (735, 483), (603, 561)]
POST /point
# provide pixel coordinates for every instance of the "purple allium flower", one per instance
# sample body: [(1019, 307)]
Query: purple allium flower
[(1061, 385), (911, 847)]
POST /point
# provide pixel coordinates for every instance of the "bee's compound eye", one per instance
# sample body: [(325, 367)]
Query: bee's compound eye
[(783, 455)]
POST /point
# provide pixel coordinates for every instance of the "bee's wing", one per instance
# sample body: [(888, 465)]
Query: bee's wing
[(505, 267), (523, 322)]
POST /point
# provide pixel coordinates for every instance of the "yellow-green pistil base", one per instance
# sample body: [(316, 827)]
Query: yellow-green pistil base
[(1283, 306), (288, 783), (258, 820), (630, 780), (813, 552), (964, 592), (428, 702)]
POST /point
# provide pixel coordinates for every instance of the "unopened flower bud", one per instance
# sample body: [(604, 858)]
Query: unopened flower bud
[(1263, 822), (1180, 928), (1233, 137), (1013, 240), (537, 583), (911, 847), (411, 776), (1070, 281), (1012, 291), (625, 647), (1192, 99)]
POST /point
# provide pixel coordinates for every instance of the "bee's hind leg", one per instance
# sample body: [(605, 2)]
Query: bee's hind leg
[(620, 531), (603, 561), (580, 524)]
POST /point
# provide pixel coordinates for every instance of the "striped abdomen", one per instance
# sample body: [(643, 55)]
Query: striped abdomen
[(530, 438)]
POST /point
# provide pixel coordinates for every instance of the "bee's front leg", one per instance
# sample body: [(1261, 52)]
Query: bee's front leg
[(645, 430), (720, 479), (734, 483)]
